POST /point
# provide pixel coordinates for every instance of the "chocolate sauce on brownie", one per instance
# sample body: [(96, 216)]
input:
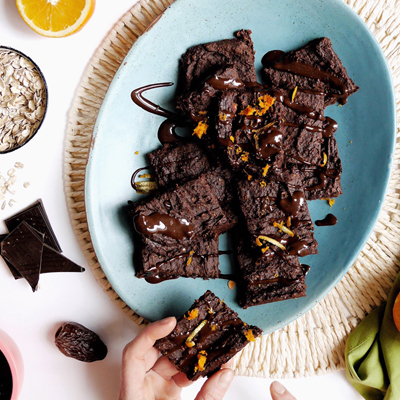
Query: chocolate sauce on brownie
[(175, 228), (220, 83), (6, 383), (291, 206), (278, 60), (329, 220)]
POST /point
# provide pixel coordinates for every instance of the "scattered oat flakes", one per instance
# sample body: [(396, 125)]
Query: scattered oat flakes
[(26, 184), (19, 165), (3, 206)]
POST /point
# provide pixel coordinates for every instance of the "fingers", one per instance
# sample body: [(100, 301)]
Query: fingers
[(216, 386), (140, 355), (138, 348), (279, 392)]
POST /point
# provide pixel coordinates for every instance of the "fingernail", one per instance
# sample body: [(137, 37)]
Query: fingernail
[(166, 321), (225, 378), (278, 388)]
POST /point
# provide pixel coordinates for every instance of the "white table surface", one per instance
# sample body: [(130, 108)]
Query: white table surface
[(31, 319)]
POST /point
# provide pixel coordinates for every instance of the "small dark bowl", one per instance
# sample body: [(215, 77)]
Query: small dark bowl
[(46, 94)]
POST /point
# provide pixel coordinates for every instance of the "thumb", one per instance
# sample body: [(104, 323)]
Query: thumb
[(216, 386), (279, 392)]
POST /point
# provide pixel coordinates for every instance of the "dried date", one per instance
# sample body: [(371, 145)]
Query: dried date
[(76, 341)]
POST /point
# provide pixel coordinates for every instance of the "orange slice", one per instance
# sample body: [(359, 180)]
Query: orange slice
[(56, 18), (396, 312)]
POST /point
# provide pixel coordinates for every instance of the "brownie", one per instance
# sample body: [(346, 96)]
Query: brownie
[(279, 212), (180, 162), (201, 61), (221, 334), (197, 259), (320, 70), (187, 211), (284, 138), (274, 277)]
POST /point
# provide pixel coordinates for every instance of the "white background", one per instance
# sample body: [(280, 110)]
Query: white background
[(31, 319)]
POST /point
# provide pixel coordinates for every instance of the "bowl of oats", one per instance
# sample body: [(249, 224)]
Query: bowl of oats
[(23, 99)]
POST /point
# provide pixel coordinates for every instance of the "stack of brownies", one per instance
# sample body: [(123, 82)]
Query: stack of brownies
[(257, 154)]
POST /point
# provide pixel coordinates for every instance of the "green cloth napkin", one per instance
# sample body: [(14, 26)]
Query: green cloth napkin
[(373, 353)]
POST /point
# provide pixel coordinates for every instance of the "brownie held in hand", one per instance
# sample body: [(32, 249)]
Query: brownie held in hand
[(206, 337)]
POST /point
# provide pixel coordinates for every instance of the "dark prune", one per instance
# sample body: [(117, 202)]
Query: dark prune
[(76, 341)]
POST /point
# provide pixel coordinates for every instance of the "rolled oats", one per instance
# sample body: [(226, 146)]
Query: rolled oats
[(22, 99)]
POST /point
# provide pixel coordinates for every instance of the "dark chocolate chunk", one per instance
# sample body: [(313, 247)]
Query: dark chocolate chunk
[(23, 249), (37, 218), (206, 337), (53, 261)]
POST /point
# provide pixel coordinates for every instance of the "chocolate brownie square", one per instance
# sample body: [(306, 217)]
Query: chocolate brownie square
[(314, 66), (181, 214), (273, 277), (199, 258), (206, 337), (179, 162), (203, 60), (277, 218)]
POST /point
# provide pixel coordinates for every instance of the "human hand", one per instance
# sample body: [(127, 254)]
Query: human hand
[(279, 392), (146, 376)]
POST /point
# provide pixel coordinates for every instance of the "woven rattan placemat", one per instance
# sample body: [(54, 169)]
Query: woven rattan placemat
[(314, 343)]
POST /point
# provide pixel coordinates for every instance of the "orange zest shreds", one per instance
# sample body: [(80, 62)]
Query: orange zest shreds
[(238, 150), (222, 116), (231, 284), (256, 141), (195, 332), (264, 249), (331, 202), (213, 327), (276, 275), (283, 228), (203, 112), (245, 156), (136, 153), (145, 187), (210, 311), (192, 314), (232, 139), (202, 357), (325, 159), (265, 102), (249, 335), (294, 93), (269, 240), (248, 111), (265, 170), (190, 344), (201, 129), (249, 177), (189, 261), (289, 222), (263, 184)]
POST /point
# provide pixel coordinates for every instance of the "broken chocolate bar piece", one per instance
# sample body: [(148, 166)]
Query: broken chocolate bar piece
[(206, 337), (28, 261), (53, 261), (314, 67), (37, 218)]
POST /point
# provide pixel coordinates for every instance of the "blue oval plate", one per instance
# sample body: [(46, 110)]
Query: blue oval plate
[(366, 137)]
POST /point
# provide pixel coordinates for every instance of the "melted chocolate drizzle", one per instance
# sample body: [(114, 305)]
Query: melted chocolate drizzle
[(278, 60), (329, 220), (175, 228)]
